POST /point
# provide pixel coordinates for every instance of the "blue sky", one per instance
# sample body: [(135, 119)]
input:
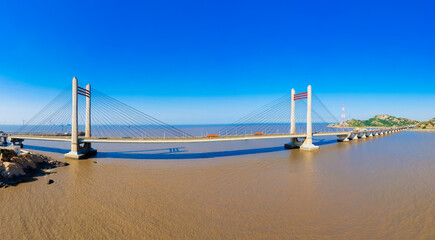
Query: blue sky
[(214, 61)]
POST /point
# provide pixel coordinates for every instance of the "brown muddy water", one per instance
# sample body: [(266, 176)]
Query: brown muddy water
[(379, 188)]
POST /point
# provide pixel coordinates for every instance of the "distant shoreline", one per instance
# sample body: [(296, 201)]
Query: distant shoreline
[(421, 130)]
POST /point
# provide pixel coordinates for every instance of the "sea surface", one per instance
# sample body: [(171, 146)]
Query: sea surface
[(377, 188)]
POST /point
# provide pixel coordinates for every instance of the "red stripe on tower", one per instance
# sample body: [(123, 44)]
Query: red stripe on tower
[(83, 89), (83, 94), (300, 98)]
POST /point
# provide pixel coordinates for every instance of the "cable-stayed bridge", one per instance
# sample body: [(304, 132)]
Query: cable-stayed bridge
[(90, 116)]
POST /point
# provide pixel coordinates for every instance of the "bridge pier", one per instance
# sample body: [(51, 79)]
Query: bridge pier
[(294, 143), (3, 142), (355, 137), (364, 135), (78, 151), (344, 138)]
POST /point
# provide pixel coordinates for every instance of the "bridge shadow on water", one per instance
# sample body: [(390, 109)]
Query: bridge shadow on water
[(320, 142), (176, 153), (46, 149), (164, 153)]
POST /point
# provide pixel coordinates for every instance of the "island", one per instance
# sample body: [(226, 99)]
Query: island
[(380, 120)]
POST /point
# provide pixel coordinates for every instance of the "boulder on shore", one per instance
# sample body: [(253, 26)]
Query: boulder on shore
[(11, 170), (16, 168)]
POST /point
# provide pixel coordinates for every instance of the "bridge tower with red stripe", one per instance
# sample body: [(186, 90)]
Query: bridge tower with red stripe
[(80, 149), (307, 145)]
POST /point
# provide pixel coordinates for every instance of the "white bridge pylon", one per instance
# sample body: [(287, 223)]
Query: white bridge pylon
[(78, 151), (307, 144)]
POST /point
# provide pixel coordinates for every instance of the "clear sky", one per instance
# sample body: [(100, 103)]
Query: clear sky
[(214, 61)]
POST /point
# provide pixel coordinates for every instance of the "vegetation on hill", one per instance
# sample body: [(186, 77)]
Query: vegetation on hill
[(426, 124), (381, 120)]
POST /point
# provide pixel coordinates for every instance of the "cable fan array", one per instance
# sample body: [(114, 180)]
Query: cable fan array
[(275, 117), (113, 118), (109, 117)]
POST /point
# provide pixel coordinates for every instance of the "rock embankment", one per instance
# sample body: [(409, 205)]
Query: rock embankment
[(16, 168)]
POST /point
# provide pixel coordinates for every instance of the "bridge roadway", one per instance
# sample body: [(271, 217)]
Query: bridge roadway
[(340, 135)]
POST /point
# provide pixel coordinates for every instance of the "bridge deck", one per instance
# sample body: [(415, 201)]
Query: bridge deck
[(174, 140)]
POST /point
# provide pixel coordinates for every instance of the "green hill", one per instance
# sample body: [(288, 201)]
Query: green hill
[(426, 124), (381, 120)]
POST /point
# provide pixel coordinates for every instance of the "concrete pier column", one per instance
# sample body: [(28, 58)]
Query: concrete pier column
[(347, 137), (364, 135), (376, 133), (74, 153), (355, 137), (308, 143), (371, 134), (344, 138)]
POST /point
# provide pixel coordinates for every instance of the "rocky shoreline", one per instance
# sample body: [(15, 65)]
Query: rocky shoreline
[(18, 166)]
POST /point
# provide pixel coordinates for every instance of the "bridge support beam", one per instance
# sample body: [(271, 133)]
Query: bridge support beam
[(308, 143)]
